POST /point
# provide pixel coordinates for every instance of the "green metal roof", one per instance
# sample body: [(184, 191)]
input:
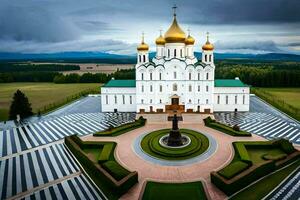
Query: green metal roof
[(229, 83), (120, 83)]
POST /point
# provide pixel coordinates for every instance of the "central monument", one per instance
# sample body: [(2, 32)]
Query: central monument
[(175, 138)]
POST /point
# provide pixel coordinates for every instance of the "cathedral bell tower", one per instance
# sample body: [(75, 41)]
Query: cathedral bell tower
[(208, 52), (142, 52)]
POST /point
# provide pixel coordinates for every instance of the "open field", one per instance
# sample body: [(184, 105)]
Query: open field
[(285, 99), (41, 94)]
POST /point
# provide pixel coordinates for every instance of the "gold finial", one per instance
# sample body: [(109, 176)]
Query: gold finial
[(189, 31), (174, 10), (160, 32)]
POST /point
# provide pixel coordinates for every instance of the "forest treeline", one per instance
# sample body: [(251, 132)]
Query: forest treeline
[(28, 67), (259, 74)]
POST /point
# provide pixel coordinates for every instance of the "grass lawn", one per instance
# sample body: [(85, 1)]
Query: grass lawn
[(266, 185), (174, 191), (290, 96), (285, 99), (257, 154), (41, 94), (93, 152)]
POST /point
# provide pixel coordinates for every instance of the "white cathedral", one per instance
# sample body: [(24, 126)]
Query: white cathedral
[(175, 80)]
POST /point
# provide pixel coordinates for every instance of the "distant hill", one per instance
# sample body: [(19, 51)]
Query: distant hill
[(102, 57)]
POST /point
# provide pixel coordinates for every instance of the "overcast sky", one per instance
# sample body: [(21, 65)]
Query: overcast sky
[(244, 26)]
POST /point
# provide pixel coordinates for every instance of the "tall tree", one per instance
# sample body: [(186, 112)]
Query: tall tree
[(20, 106)]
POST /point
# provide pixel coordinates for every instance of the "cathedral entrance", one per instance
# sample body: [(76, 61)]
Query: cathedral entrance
[(175, 106), (175, 101)]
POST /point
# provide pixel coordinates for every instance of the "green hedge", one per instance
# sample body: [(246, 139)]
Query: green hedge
[(242, 181), (106, 152), (230, 179), (233, 169), (224, 128), (241, 150), (99, 175), (123, 128), (113, 168)]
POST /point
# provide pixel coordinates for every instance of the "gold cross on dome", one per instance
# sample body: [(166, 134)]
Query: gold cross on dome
[(174, 9)]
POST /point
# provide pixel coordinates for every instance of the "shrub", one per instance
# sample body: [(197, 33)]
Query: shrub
[(236, 127), (233, 169), (115, 170), (106, 152), (274, 157), (285, 145)]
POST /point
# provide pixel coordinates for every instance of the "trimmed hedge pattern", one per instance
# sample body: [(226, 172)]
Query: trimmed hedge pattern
[(106, 152), (224, 128), (104, 179), (240, 173), (123, 128)]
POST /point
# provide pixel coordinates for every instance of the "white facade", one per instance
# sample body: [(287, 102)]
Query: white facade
[(176, 80), (118, 99)]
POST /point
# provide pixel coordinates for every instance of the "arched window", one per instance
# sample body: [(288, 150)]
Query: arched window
[(116, 99), (235, 99), (207, 74), (206, 101), (151, 76), (226, 99), (160, 101), (198, 76), (175, 53), (218, 99), (160, 76), (160, 88), (142, 88), (144, 57), (130, 99), (198, 88), (205, 58), (106, 98), (174, 87), (123, 97), (151, 88), (190, 88), (142, 101), (243, 99), (209, 58), (142, 76), (140, 58), (169, 53), (207, 88), (198, 101), (175, 75), (190, 76), (181, 53), (190, 101), (150, 100)]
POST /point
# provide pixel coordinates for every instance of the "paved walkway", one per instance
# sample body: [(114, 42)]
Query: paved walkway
[(191, 172)]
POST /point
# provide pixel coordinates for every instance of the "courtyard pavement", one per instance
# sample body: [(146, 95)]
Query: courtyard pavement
[(148, 170)]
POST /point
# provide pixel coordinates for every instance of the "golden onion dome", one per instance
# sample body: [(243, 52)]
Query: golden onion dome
[(175, 34), (189, 40), (208, 46), (143, 46), (160, 40)]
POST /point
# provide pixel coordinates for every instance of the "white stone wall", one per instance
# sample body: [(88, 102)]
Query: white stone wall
[(118, 98), (238, 98)]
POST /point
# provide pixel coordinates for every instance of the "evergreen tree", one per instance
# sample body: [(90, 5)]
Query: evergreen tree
[(20, 106)]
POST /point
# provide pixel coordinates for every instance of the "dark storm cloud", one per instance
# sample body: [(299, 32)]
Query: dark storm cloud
[(267, 46)]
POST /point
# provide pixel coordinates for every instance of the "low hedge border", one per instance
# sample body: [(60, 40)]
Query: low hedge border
[(122, 128), (111, 187), (235, 177), (224, 128)]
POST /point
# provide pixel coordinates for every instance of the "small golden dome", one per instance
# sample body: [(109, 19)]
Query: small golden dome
[(175, 34), (208, 46), (160, 40), (143, 46), (189, 40)]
